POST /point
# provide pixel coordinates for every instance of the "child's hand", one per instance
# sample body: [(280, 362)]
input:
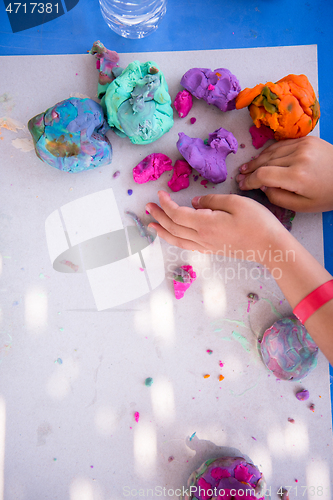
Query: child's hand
[(240, 227), (295, 174), (228, 224)]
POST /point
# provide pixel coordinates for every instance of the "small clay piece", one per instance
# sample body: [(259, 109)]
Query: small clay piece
[(302, 395), (252, 297), (106, 62)]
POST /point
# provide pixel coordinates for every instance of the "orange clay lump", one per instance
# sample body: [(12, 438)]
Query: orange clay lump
[(289, 107)]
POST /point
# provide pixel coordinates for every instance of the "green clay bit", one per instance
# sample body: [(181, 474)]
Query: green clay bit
[(181, 275), (268, 94), (149, 381), (253, 297), (270, 107), (315, 110), (240, 323)]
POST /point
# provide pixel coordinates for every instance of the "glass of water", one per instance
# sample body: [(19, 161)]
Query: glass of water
[(133, 18)]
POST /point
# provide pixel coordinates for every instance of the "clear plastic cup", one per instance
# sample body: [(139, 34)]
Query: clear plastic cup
[(133, 18)]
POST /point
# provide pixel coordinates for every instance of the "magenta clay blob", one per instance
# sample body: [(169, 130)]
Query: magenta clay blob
[(180, 177)]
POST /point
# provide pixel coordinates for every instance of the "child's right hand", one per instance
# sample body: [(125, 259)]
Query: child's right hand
[(295, 174)]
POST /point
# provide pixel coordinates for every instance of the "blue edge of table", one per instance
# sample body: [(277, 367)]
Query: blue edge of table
[(193, 25)]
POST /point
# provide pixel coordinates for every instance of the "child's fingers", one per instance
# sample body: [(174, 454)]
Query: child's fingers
[(278, 154), (270, 176), (168, 224), (221, 202), (183, 216)]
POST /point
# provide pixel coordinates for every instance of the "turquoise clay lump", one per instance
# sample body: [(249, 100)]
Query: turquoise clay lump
[(137, 103), (287, 349), (70, 135)]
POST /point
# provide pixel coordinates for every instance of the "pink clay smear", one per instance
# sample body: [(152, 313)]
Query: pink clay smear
[(260, 135)]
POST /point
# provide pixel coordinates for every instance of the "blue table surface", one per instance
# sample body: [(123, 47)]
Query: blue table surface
[(193, 25)]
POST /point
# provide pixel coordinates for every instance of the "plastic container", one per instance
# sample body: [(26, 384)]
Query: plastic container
[(133, 18)]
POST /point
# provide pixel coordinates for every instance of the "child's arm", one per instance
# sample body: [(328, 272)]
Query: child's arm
[(295, 174), (240, 227)]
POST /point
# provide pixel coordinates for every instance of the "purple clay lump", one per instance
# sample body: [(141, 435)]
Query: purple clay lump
[(219, 87), (208, 159)]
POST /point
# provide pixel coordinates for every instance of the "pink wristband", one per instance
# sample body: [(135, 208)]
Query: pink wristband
[(312, 302)]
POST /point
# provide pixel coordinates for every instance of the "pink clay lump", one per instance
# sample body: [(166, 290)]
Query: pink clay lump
[(180, 177)]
